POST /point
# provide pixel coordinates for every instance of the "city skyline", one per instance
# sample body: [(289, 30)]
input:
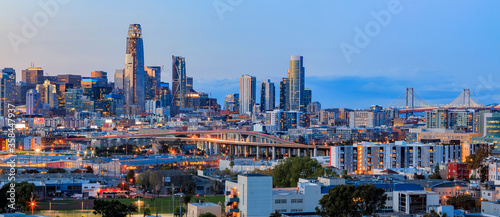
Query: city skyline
[(376, 75)]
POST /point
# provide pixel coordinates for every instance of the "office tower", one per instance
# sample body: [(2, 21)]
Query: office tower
[(247, 94), (48, 94), (115, 102), (314, 108), (232, 102), (7, 90), (295, 94), (88, 84), (284, 120), (74, 80), (119, 78), (61, 90), (179, 81), (267, 95), (32, 76), (189, 84), (133, 79), (51, 79), (153, 80), (73, 100), (32, 101), (20, 93), (284, 94), (307, 97), (164, 95), (102, 76)]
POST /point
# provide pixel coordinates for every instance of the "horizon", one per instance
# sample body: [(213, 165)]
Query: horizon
[(341, 69)]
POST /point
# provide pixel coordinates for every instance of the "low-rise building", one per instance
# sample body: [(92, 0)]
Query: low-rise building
[(196, 209)]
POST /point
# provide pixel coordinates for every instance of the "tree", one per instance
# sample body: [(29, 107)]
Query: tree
[(436, 174), (208, 214), (130, 177), (433, 213), (338, 202), (88, 169), (112, 208), (466, 202), (123, 186), (287, 173), (178, 210), (370, 198), (275, 214), (56, 170), (24, 193), (76, 171), (143, 180), (347, 200), (475, 161), (147, 211), (186, 199), (188, 187)]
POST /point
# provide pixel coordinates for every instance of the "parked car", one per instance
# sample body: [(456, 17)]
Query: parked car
[(92, 198), (179, 194), (57, 198)]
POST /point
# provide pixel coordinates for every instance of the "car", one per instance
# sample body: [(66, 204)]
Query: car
[(92, 198), (79, 198), (138, 197), (57, 198), (179, 194)]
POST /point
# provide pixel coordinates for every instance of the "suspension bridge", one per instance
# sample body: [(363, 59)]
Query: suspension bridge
[(409, 102)]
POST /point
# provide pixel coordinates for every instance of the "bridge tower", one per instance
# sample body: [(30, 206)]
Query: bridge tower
[(410, 101)]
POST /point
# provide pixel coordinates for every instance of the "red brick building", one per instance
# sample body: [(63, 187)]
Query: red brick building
[(458, 171)]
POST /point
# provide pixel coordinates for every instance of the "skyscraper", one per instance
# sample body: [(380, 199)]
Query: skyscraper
[(247, 94), (307, 97), (179, 81), (74, 80), (31, 101), (267, 95), (284, 94), (153, 80), (133, 79), (48, 94), (103, 78), (119, 78), (296, 97), (7, 90), (232, 102), (32, 76), (74, 100)]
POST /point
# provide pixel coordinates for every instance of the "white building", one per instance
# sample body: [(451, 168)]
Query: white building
[(304, 198), (32, 143), (250, 196), (363, 157), (90, 189), (494, 171), (414, 202)]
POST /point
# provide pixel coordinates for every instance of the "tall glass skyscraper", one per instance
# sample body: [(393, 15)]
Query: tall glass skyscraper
[(7, 90), (296, 95), (267, 95), (247, 94), (179, 81), (133, 79), (153, 80)]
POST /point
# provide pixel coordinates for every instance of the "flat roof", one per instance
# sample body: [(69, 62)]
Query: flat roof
[(204, 204)]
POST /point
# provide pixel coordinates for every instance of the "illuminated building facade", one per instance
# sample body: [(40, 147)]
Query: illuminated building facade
[(247, 94), (134, 76)]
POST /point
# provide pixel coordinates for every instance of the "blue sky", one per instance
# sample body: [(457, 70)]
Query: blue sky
[(436, 47)]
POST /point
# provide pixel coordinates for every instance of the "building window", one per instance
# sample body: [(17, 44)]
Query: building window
[(280, 201), (296, 210), (296, 201)]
